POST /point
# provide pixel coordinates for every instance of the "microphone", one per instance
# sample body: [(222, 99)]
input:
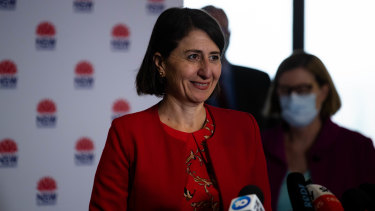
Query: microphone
[(323, 199), (250, 198), (298, 194), (369, 189), (355, 199)]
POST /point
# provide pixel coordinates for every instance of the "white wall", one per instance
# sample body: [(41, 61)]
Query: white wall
[(32, 154)]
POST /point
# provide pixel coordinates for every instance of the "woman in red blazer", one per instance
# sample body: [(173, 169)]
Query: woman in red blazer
[(180, 154)]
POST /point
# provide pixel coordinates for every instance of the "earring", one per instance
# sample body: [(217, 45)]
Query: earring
[(161, 73)]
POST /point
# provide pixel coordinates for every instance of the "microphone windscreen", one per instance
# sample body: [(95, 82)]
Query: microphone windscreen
[(356, 199), (369, 189), (353, 200), (252, 189), (323, 199), (298, 194)]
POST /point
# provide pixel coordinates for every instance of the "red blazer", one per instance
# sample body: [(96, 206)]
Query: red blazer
[(142, 167)]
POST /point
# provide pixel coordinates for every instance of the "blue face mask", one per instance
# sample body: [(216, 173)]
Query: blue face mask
[(298, 110)]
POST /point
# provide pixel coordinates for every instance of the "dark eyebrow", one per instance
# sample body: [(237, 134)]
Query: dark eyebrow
[(199, 51)]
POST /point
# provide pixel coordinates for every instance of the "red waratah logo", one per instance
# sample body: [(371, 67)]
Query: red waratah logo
[(84, 68), (47, 184), (120, 37), (46, 191), (46, 29), (84, 151), (155, 6), (46, 113), (120, 31), (8, 67), (45, 32), (84, 75), (8, 71), (120, 107), (46, 106), (8, 153), (8, 146), (84, 144)]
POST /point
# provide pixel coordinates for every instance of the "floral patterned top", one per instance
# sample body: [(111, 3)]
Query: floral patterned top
[(200, 192)]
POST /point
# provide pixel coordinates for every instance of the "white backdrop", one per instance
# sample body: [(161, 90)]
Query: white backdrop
[(67, 68)]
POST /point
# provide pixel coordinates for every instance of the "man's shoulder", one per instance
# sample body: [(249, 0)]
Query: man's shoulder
[(243, 71)]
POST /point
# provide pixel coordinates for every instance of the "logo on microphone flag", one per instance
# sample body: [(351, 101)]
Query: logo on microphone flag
[(120, 107), (83, 5), (8, 74), (46, 116), (84, 72), (155, 7), (323, 199), (120, 37), (241, 202), (45, 33), (84, 151), (8, 153), (46, 191), (8, 4)]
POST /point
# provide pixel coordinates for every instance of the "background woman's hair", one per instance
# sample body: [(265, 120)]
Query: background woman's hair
[(316, 67)]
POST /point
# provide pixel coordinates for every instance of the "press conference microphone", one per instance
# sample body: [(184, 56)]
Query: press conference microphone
[(369, 189), (298, 194), (355, 199), (323, 199), (250, 198)]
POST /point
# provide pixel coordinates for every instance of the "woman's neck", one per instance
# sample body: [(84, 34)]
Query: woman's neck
[(298, 142), (182, 117), (305, 136)]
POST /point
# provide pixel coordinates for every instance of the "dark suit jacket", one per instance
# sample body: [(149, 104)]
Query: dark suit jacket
[(251, 88)]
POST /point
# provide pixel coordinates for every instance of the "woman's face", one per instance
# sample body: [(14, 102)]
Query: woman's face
[(193, 68), (301, 82)]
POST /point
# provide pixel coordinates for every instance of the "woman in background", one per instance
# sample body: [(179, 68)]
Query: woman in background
[(180, 154), (304, 97)]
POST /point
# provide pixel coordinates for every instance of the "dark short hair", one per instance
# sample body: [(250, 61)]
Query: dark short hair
[(170, 28), (316, 67)]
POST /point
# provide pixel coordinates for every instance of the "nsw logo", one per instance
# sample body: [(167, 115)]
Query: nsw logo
[(120, 37), (8, 153), (8, 74), (155, 6), (46, 116), (8, 4), (83, 5), (84, 75), (120, 107), (241, 202), (84, 151), (45, 36), (46, 191)]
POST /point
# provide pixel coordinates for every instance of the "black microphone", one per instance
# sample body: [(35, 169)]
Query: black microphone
[(249, 198), (252, 189), (355, 199), (369, 189), (298, 194)]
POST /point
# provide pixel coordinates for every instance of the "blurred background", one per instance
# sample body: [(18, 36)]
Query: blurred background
[(67, 68)]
